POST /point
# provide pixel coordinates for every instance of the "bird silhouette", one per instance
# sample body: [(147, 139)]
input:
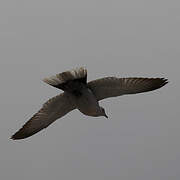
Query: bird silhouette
[(78, 94)]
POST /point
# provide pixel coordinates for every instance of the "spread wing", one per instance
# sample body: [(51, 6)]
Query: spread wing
[(53, 109), (112, 86)]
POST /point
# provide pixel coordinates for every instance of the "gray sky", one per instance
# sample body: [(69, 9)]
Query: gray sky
[(39, 38)]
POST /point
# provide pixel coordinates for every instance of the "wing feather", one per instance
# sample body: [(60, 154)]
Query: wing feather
[(112, 86), (53, 109)]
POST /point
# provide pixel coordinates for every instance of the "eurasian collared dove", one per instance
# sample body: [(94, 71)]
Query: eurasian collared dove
[(78, 94)]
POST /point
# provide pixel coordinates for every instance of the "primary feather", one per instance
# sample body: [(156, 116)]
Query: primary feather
[(112, 86), (53, 109)]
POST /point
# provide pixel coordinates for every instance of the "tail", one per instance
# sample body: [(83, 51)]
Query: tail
[(66, 80)]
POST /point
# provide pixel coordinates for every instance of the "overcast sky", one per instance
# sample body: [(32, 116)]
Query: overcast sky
[(141, 138)]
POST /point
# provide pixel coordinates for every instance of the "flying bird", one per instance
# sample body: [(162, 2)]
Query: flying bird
[(78, 94)]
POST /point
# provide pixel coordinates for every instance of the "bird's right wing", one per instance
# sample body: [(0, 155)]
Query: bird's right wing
[(53, 109), (112, 86)]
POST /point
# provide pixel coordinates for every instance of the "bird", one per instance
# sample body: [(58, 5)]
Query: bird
[(84, 96)]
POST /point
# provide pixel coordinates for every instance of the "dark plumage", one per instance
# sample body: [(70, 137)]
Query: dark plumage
[(78, 94)]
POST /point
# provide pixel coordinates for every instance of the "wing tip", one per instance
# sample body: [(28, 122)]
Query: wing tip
[(162, 81), (18, 135), (13, 138), (23, 132)]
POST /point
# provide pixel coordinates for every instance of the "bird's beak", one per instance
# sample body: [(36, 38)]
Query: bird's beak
[(106, 116)]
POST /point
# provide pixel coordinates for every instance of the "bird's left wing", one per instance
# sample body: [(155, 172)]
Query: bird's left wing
[(53, 109), (112, 86)]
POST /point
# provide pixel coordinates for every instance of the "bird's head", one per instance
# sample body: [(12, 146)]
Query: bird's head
[(103, 113)]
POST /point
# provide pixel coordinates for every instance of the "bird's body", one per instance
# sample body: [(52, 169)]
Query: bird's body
[(83, 98), (87, 102), (78, 94)]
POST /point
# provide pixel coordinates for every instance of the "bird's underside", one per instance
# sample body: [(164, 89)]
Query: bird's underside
[(78, 94)]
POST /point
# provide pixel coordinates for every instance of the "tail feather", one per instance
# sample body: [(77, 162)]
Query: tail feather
[(61, 80)]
